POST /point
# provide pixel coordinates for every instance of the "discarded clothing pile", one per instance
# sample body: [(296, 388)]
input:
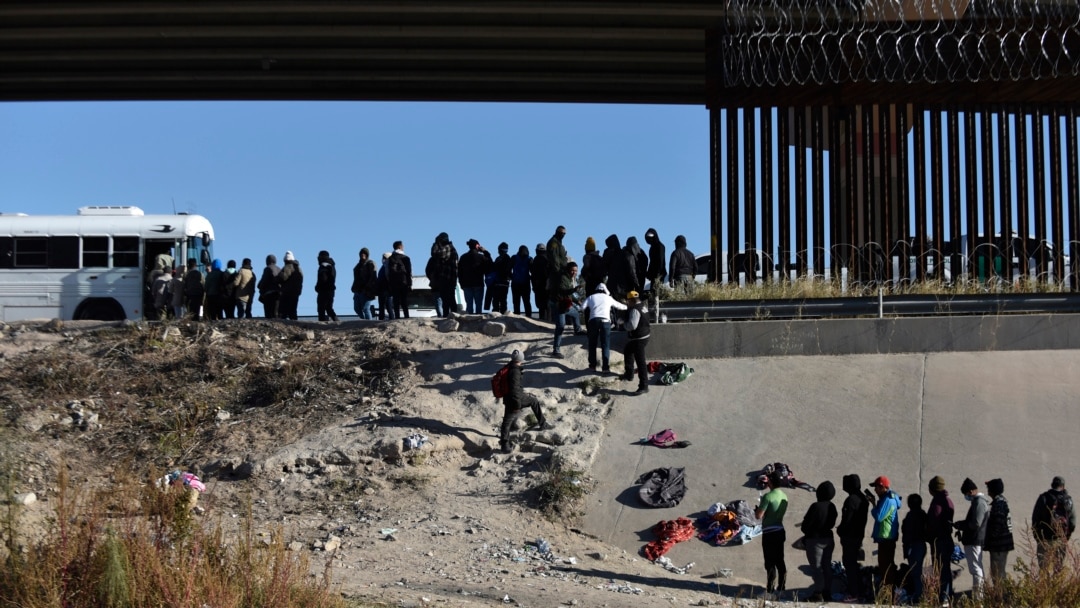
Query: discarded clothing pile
[(787, 477), (663, 487), (670, 373), (668, 534), (730, 525)]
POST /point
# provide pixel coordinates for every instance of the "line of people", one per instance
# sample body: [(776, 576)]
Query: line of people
[(987, 527)]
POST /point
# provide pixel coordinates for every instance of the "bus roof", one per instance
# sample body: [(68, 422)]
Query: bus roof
[(124, 221)]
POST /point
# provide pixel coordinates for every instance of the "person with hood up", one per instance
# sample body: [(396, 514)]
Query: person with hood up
[(269, 288), (598, 306), (520, 292), (399, 280), (382, 288), (472, 267), (886, 514), (656, 272), (325, 286), (616, 280), (539, 277), (852, 531), (228, 290), (245, 289), (501, 268), (442, 274), (817, 528), (999, 536), (592, 267), (939, 519), (913, 535), (972, 533), (291, 280), (215, 291), (635, 263), (365, 285), (683, 266)]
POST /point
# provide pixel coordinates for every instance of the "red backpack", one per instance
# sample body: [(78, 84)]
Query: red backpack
[(500, 382)]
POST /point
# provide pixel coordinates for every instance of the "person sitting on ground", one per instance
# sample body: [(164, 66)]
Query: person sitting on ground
[(516, 400)]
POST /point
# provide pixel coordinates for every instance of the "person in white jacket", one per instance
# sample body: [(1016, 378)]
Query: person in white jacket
[(598, 306)]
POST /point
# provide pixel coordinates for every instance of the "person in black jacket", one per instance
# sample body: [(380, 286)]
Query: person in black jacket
[(617, 281), (269, 289), (817, 529), (592, 267), (852, 531), (637, 338), (656, 272), (325, 286), (399, 280), (442, 274), (538, 276), (365, 285), (1053, 521), (516, 400), (913, 541), (472, 267), (999, 536), (500, 286), (683, 265)]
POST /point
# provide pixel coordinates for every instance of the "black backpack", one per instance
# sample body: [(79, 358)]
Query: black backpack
[(397, 274)]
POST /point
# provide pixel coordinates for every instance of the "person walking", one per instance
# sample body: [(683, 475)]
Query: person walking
[(999, 534), (852, 531), (325, 287), (597, 308), (939, 520), (770, 510), (442, 274), (913, 535), (817, 528), (365, 285), (637, 338), (886, 530), (1053, 521), (516, 401), (520, 292), (269, 287), (291, 280)]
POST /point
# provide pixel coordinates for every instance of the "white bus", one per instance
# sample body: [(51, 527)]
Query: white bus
[(92, 265)]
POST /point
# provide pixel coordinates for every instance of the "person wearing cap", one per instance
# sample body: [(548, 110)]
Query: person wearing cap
[(269, 288), (564, 305), (472, 267), (1053, 521), (539, 277), (500, 285), (972, 533), (325, 288), (886, 514), (291, 280), (520, 288), (999, 536), (939, 520), (770, 510), (442, 273), (365, 285), (637, 338), (598, 308), (592, 267), (852, 531), (556, 261), (516, 400)]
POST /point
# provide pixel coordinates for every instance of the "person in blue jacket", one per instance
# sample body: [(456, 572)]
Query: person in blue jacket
[(886, 514)]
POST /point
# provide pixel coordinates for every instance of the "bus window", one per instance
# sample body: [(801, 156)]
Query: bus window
[(125, 252), (95, 252), (64, 252), (31, 252)]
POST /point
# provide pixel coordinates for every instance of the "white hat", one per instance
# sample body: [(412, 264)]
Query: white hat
[(603, 289), (517, 357), (289, 257)]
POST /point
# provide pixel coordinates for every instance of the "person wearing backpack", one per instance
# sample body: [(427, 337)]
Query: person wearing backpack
[(999, 536), (515, 400), (972, 533), (399, 280), (886, 514), (1053, 521)]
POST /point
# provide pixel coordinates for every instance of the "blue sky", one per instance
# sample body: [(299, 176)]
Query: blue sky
[(277, 176)]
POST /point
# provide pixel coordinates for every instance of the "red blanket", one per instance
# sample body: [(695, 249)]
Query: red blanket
[(668, 533)]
